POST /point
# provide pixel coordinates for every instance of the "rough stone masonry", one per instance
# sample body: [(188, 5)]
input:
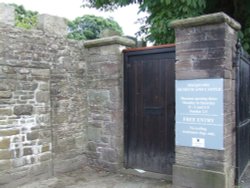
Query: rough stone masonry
[(60, 101)]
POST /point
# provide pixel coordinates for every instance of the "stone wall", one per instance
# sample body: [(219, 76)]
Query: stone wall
[(25, 134), (42, 104), (60, 103)]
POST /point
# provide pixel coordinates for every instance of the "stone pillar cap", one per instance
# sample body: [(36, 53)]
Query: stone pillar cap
[(214, 18), (109, 41)]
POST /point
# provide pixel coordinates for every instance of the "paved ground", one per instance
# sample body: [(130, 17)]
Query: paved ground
[(89, 178), (245, 182)]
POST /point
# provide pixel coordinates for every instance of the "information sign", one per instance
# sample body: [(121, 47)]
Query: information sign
[(199, 113)]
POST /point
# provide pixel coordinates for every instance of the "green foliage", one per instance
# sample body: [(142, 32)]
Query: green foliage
[(25, 18), (239, 10), (90, 27), (82, 28), (162, 12)]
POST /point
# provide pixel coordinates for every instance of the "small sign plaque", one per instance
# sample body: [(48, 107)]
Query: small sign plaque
[(199, 113)]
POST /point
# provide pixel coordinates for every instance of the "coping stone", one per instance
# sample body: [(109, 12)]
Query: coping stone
[(214, 18), (109, 41)]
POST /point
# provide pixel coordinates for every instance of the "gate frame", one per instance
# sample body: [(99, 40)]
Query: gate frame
[(134, 52), (240, 54)]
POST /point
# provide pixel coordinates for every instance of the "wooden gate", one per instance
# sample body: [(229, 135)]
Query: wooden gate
[(150, 108), (242, 112)]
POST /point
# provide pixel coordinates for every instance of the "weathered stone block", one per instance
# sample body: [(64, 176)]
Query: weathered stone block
[(27, 86), (109, 155), (98, 97), (5, 165), (42, 96), (52, 24), (9, 70), (33, 135), (5, 154), (44, 87), (45, 157), (27, 151), (115, 42), (61, 118), (5, 143), (40, 73), (5, 112), (5, 94), (94, 133), (45, 148), (26, 97), (23, 110), (24, 71), (4, 86), (9, 132), (92, 146), (7, 14)]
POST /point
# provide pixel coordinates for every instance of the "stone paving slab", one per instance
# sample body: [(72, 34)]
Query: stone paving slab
[(90, 178), (245, 181)]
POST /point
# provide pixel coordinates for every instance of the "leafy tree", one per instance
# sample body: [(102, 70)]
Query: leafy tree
[(25, 18), (90, 27), (162, 12), (82, 28)]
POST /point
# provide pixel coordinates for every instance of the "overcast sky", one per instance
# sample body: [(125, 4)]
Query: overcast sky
[(71, 9)]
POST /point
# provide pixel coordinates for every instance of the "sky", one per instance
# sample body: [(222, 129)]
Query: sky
[(70, 9)]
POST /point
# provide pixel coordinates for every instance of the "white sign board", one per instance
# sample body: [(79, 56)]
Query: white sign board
[(199, 113)]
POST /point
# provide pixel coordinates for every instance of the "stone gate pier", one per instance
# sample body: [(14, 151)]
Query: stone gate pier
[(205, 78)]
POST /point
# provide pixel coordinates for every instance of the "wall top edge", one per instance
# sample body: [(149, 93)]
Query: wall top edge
[(215, 18), (109, 41)]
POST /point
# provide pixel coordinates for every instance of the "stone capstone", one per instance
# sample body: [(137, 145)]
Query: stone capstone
[(215, 18), (109, 41)]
